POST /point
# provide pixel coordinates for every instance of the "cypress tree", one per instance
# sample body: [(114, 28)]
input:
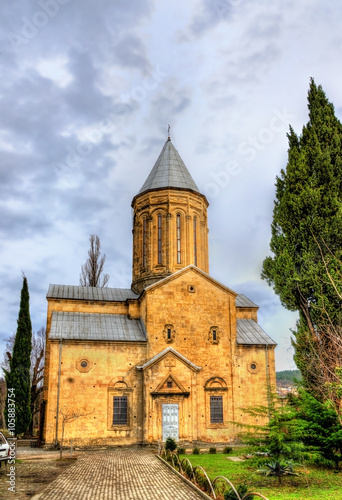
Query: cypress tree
[(307, 229), (18, 375)]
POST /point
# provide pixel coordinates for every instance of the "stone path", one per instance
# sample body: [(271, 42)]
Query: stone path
[(121, 474)]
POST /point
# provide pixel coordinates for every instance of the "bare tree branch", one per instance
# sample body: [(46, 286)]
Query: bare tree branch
[(67, 418)]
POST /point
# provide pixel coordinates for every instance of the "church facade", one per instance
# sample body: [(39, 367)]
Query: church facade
[(178, 354)]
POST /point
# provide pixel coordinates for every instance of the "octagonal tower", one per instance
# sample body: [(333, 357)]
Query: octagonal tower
[(170, 229)]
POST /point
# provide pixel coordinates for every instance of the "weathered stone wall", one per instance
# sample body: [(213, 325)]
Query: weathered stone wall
[(112, 373), (192, 305), (149, 265), (189, 312), (254, 378)]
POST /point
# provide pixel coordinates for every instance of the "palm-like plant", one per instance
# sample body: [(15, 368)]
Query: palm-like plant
[(278, 469)]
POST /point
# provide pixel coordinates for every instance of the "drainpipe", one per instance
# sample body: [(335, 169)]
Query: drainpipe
[(58, 386), (142, 405), (268, 382)]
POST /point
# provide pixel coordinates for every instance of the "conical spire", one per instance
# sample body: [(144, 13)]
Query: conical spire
[(170, 228), (169, 171)]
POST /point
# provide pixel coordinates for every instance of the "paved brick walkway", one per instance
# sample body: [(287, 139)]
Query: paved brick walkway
[(122, 474)]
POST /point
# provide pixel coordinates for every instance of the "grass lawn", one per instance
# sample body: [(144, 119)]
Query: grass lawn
[(313, 483)]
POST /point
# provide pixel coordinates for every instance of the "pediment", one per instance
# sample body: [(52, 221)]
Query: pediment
[(189, 270), (170, 386), (169, 355)]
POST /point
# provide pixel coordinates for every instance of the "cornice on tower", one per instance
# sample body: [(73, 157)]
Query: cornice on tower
[(170, 229)]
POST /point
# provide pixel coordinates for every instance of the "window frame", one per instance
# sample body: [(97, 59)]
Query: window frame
[(119, 388), (216, 387), (144, 241), (159, 235), (216, 411), (179, 238), (122, 416)]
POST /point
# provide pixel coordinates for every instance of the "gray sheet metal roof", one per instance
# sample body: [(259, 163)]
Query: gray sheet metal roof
[(243, 301), (250, 333), (169, 171), (105, 327), (90, 293)]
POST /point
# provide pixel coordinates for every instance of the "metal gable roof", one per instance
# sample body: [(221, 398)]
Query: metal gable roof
[(243, 301), (103, 327), (90, 293), (248, 332), (169, 171)]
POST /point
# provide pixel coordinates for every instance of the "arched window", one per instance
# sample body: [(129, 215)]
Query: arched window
[(159, 239), (195, 241), (178, 239), (144, 235)]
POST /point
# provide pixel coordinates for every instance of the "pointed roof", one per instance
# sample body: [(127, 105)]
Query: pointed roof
[(169, 171)]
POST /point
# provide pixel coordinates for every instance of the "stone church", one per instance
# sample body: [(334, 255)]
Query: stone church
[(178, 354)]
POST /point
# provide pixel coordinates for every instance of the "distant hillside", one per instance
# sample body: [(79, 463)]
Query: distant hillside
[(287, 377)]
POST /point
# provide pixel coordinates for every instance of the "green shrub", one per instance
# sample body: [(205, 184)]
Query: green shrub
[(241, 489), (201, 480), (196, 451), (187, 469), (227, 449), (212, 450), (181, 451), (170, 444)]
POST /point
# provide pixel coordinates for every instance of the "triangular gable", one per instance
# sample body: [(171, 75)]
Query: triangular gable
[(170, 385), (169, 350), (185, 270)]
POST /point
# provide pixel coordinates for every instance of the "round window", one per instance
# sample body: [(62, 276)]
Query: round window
[(253, 366), (84, 363)]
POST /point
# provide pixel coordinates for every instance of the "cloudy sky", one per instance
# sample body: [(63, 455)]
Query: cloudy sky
[(87, 90)]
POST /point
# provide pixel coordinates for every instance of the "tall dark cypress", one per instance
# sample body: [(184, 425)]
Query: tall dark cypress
[(18, 376), (307, 230)]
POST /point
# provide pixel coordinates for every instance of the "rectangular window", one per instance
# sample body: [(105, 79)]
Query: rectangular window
[(159, 239), (216, 410), (120, 414)]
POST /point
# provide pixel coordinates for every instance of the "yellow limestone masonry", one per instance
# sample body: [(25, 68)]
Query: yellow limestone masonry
[(196, 355)]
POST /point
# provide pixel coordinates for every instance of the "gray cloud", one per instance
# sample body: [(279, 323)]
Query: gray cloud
[(211, 13), (86, 99)]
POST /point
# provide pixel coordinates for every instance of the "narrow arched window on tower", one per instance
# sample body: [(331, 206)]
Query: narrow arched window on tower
[(144, 243), (178, 239), (159, 239), (195, 241)]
